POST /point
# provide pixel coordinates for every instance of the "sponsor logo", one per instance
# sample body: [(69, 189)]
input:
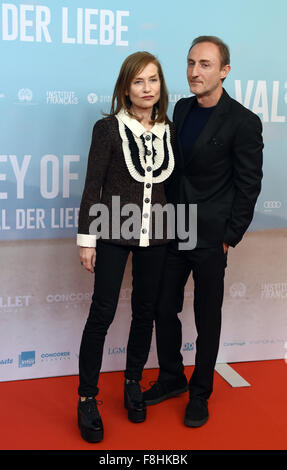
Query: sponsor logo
[(266, 341), (234, 343), (238, 289), (270, 205), (120, 350), (117, 350), (4, 362), (188, 294), (92, 98), (125, 293), (27, 359), (61, 97), (25, 95), (55, 356), (277, 290), (71, 297), (188, 347)]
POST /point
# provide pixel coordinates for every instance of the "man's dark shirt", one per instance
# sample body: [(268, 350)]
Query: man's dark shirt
[(192, 127)]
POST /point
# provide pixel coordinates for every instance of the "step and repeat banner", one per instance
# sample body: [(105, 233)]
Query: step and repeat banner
[(59, 63)]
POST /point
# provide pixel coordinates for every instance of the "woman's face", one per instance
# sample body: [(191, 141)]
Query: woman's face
[(144, 90)]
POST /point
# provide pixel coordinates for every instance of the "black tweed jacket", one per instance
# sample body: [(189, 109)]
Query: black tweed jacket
[(127, 170)]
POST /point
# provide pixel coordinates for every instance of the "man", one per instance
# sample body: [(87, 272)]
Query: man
[(218, 168)]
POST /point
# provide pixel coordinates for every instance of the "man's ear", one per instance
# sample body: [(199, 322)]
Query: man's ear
[(225, 71)]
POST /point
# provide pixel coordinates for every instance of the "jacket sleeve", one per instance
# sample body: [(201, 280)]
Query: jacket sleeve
[(98, 162), (247, 176)]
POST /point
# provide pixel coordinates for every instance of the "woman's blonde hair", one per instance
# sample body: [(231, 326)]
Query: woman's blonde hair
[(131, 66)]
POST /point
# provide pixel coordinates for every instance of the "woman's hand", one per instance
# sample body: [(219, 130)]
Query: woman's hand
[(88, 258), (225, 247)]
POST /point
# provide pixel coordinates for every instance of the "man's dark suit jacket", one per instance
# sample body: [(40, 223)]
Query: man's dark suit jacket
[(223, 172)]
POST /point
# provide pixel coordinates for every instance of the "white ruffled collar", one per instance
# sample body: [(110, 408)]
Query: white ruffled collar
[(137, 128)]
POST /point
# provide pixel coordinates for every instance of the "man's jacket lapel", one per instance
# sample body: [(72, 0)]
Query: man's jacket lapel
[(208, 134)]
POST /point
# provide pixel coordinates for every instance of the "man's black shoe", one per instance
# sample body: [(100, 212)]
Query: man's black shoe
[(196, 413), (133, 400), (89, 420), (166, 389)]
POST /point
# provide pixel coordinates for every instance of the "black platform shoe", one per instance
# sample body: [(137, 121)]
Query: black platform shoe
[(160, 391), (89, 420), (196, 413), (134, 402)]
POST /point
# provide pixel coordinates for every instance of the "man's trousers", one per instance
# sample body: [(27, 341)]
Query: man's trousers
[(208, 268)]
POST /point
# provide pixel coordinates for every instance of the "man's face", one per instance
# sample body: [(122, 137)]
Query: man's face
[(204, 69)]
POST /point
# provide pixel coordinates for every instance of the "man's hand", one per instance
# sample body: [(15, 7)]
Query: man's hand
[(88, 258), (225, 247)]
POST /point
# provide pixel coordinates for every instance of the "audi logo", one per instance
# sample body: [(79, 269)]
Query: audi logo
[(272, 204)]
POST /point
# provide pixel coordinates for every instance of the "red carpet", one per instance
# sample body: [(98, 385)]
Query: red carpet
[(40, 414)]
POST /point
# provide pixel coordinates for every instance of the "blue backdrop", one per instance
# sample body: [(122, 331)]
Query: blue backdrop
[(59, 62)]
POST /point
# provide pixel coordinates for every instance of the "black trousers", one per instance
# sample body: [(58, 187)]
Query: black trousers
[(208, 267), (111, 259)]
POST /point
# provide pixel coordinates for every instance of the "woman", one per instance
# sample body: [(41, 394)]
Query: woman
[(130, 158)]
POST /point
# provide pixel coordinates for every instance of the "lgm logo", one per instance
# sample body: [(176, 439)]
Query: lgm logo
[(117, 350), (120, 350), (27, 359)]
